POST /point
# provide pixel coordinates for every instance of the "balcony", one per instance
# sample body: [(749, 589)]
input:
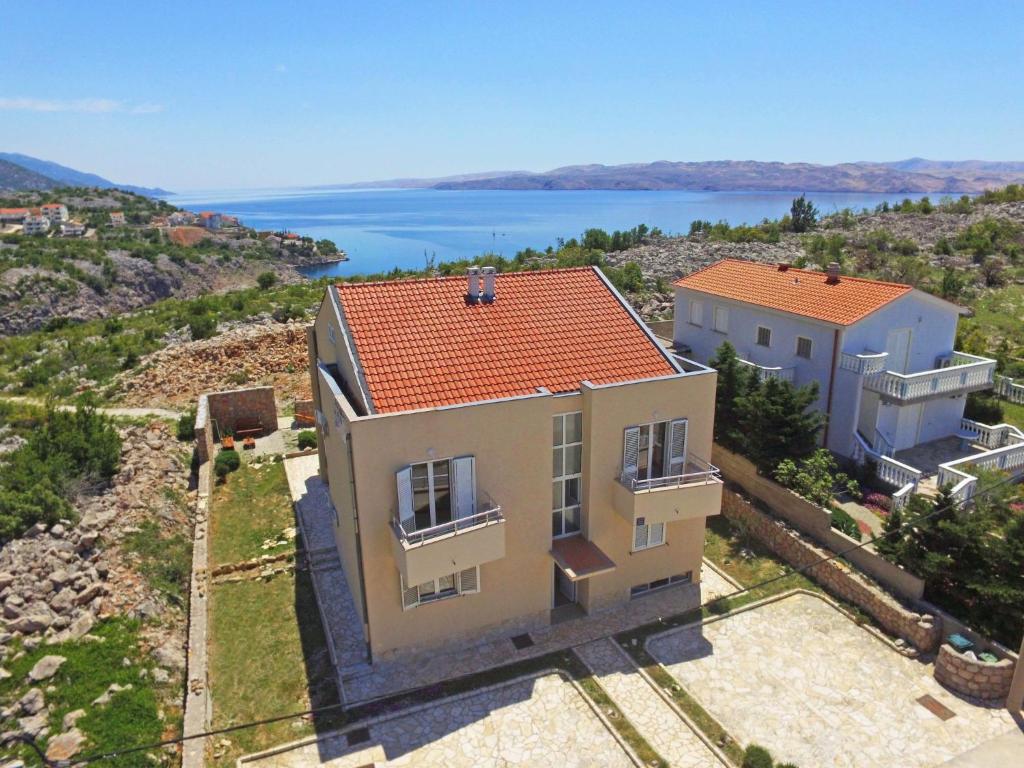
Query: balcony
[(695, 494), (957, 374), (428, 553), (769, 371)]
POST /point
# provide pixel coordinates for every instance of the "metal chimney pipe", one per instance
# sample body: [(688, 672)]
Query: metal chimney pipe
[(489, 277), (833, 272), (473, 289)]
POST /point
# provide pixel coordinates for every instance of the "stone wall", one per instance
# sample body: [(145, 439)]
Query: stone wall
[(218, 413), (304, 410), (973, 677), (814, 521), (920, 630)]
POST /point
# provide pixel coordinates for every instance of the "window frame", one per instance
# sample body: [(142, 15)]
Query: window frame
[(810, 347), (459, 589), (649, 543), (562, 478), (757, 336), (639, 590), (695, 304), (431, 491), (715, 325)]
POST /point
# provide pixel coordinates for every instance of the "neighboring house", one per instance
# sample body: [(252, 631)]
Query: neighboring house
[(35, 224), (117, 219), (13, 215), (210, 220), (72, 229), (504, 450), (882, 353), (55, 212), (181, 218)]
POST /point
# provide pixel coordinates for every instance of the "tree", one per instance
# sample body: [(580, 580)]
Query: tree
[(817, 478), (326, 247), (266, 279), (803, 215), (891, 543), (733, 381), (778, 421)]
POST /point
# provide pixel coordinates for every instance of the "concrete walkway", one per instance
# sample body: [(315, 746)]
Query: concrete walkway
[(1000, 752), (130, 413), (657, 722), (197, 698)]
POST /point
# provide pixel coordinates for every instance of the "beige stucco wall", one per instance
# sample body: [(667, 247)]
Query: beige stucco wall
[(512, 442)]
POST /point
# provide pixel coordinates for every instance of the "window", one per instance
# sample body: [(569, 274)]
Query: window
[(462, 583), (696, 312), (648, 536), (721, 320), (566, 471), (436, 492), (803, 347), (330, 331), (679, 578), (653, 451), (764, 336)]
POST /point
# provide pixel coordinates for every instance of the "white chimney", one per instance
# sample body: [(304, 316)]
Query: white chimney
[(833, 272), (473, 291), (489, 275)]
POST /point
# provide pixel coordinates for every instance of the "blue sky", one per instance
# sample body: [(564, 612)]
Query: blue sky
[(214, 95)]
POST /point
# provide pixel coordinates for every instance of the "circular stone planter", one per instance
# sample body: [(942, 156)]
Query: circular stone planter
[(973, 677)]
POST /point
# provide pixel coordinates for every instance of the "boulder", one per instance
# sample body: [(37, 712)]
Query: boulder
[(27, 625), (71, 718), (104, 698), (45, 668), (32, 702), (34, 725), (170, 654), (65, 746)]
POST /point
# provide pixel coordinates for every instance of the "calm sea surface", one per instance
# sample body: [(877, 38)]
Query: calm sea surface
[(381, 229)]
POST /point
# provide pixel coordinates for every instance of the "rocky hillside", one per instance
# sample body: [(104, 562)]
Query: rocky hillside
[(17, 178)]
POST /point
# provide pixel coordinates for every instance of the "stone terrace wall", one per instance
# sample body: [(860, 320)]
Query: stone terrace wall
[(973, 677), (921, 631), (816, 522), (227, 409)]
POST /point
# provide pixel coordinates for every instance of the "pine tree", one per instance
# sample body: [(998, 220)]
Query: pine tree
[(733, 381)]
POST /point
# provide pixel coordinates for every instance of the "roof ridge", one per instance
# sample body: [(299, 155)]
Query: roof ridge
[(446, 278), (790, 268)]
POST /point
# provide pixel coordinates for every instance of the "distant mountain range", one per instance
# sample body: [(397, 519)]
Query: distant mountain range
[(22, 173), (913, 176)]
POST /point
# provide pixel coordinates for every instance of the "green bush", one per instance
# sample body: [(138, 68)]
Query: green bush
[(984, 408), (187, 425), (756, 756), (842, 522), (227, 461), (202, 327), (307, 439), (266, 279)]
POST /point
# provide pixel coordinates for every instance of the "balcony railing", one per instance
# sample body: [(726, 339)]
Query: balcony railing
[(770, 371), (865, 363), (704, 473), (490, 513), (958, 373)]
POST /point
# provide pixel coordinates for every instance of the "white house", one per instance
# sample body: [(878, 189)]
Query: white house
[(72, 229), (36, 224), (210, 220), (181, 218), (882, 354), (117, 218), (54, 212), (13, 215)]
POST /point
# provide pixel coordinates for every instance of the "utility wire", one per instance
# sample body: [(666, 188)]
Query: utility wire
[(331, 707)]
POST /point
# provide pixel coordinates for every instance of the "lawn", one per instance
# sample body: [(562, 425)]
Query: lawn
[(268, 657), (252, 506), (1013, 413)]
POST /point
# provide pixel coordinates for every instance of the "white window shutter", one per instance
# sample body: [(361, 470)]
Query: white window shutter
[(464, 468), (469, 581), (640, 537), (410, 595), (677, 447), (630, 454), (405, 513), (657, 534)]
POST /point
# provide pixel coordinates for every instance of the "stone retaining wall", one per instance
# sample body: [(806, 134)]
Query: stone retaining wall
[(920, 630), (228, 408), (973, 677)]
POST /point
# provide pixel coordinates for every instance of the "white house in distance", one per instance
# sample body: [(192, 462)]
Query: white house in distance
[(891, 384), (72, 229), (117, 218), (181, 219), (35, 224), (210, 220), (54, 212)]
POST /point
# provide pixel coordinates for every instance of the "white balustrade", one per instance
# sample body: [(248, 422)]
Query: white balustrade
[(865, 363), (962, 373)]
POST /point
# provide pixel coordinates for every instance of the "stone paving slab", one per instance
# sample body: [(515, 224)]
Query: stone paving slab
[(799, 677), (536, 721), (656, 721)]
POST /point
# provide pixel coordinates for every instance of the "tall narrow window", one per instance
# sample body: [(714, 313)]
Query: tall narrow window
[(654, 451), (696, 312), (803, 347), (647, 536), (721, 319), (764, 336), (431, 494), (566, 472)]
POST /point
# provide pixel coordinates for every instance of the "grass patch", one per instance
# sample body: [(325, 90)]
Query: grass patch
[(252, 506), (163, 558), (625, 729), (268, 657), (131, 719), (1013, 413)]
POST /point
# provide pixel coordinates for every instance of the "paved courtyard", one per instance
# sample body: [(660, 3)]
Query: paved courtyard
[(534, 721), (800, 678)]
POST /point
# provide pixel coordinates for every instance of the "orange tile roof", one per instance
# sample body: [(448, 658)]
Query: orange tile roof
[(14, 210), (797, 291), (421, 345)]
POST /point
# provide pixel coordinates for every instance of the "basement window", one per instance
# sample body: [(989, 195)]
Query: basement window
[(651, 586)]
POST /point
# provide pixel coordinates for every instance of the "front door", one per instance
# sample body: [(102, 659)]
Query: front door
[(898, 347), (565, 589)]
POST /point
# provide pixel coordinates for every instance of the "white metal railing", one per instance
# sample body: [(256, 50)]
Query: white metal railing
[(958, 372), (770, 371), (490, 514), (865, 363), (707, 473), (1009, 390)]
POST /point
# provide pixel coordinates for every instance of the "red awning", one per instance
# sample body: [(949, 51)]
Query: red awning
[(579, 558)]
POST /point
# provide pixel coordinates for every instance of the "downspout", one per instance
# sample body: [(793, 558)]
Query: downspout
[(831, 386), (359, 546)]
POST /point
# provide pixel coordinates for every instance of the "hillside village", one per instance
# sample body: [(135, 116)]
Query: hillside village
[(254, 511)]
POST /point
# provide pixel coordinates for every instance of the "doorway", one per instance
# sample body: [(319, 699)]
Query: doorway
[(898, 347), (565, 589)]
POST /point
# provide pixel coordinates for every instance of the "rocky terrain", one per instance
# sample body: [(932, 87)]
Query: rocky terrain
[(263, 352), (58, 583)]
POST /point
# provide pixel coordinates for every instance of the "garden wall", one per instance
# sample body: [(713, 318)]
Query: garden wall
[(973, 677), (921, 631), (221, 412), (814, 521)]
